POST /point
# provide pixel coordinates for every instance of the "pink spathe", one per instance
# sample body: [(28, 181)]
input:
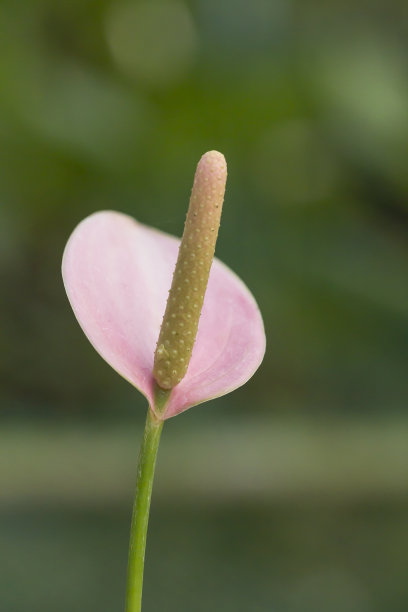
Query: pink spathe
[(117, 274)]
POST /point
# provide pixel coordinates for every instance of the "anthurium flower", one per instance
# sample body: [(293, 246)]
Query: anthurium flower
[(178, 325), (117, 274)]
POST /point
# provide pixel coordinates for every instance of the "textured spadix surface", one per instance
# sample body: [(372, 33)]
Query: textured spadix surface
[(117, 274), (186, 297)]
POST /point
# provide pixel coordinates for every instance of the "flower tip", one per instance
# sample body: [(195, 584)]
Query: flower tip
[(213, 163)]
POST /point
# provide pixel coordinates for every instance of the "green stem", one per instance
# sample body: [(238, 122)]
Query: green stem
[(141, 507)]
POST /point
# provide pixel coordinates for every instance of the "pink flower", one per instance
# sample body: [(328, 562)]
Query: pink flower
[(117, 274)]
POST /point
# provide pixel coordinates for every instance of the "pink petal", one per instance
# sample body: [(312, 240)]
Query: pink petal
[(117, 274)]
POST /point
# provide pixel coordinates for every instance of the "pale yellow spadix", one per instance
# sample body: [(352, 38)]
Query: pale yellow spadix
[(196, 253)]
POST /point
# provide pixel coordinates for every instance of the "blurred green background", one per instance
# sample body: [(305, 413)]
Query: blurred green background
[(291, 494)]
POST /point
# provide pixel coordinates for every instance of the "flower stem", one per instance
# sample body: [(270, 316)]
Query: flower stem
[(141, 507)]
